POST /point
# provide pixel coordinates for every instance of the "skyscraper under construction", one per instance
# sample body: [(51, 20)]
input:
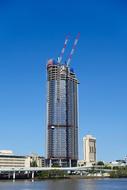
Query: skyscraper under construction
[(62, 112)]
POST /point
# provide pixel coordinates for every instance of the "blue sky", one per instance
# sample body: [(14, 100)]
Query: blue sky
[(31, 32)]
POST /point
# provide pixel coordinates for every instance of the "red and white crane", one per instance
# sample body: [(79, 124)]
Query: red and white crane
[(73, 49), (63, 50)]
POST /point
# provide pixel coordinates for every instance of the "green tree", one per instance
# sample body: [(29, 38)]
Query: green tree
[(119, 173), (33, 163), (51, 174), (100, 163)]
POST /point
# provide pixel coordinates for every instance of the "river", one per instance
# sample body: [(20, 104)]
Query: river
[(67, 184)]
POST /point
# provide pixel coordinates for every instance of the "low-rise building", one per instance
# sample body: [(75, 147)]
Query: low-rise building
[(8, 159), (36, 160), (118, 163), (81, 163)]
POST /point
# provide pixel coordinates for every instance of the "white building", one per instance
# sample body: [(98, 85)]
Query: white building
[(6, 152), (8, 159), (89, 149)]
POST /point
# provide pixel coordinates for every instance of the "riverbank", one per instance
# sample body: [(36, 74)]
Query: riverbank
[(60, 174), (62, 178)]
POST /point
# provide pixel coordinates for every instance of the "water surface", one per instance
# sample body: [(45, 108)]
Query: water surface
[(67, 184)]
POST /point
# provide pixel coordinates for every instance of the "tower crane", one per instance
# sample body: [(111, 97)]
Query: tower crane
[(73, 49), (59, 68), (58, 84), (63, 50), (67, 90)]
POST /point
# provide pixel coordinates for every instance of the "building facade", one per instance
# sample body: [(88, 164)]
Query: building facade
[(62, 115), (8, 159), (89, 149), (36, 160), (14, 161)]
